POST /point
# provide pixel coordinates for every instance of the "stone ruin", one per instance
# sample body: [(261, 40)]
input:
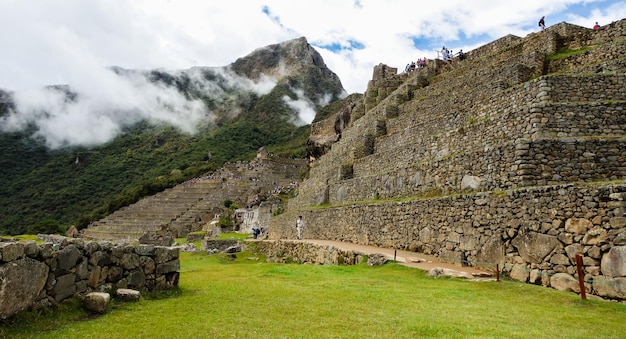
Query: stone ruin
[(38, 276), (509, 157)]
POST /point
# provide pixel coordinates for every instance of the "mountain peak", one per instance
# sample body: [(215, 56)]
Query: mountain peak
[(279, 60)]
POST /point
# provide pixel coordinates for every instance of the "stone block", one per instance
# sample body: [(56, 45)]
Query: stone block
[(10, 251), (97, 302), (129, 261), (94, 277), (595, 236), (147, 264), (595, 252), (618, 222), (66, 259), (534, 247), (519, 272), (564, 282), (572, 250), (170, 266), (127, 294), (608, 287), (64, 287), (21, 283), (91, 247), (31, 249), (536, 277), (165, 254), (470, 182), (46, 250), (137, 278), (560, 259), (376, 259), (100, 258), (82, 269), (577, 226), (613, 263), (114, 274)]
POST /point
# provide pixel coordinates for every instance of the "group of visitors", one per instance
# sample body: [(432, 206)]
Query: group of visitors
[(421, 63), (448, 55), (542, 24)]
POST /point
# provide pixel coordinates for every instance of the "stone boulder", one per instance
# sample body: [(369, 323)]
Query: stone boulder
[(492, 252), (614, 288), (519, 272), (97, 302), (437, 272), (21, 281), (577, 226), (10, 251), (613, 263), (127, 294), (533, 247), (564, 282), (376, 259), (470, 182)]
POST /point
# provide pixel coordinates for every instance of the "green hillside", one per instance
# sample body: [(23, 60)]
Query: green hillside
[(43, 189)]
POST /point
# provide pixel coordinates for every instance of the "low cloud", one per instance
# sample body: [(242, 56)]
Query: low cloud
[(303, 107), (94, 113), (96, 109)]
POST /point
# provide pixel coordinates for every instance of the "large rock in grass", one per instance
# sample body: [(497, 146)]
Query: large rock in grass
[(97, 302), (127, 294)]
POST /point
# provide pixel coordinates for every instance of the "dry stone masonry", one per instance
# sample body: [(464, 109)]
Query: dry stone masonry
[(513, 156), (36, 276)]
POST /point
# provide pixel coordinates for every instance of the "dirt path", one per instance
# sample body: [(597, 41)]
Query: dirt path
[(409, 259)]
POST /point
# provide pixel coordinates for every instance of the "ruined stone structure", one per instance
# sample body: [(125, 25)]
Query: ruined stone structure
[(36, 276), (513, 156), (190, 206)]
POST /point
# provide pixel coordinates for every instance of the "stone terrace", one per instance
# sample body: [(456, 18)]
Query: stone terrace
[(185, 207), (513, 147)]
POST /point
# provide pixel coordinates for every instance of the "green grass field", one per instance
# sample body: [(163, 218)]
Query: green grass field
[(244, 297)]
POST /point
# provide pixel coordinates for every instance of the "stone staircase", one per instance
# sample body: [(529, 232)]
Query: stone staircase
[(186, 207)]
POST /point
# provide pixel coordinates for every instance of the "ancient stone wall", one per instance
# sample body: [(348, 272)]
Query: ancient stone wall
[(305, 253), (36, 276), (533, 234), (555, 129), (492, 161)]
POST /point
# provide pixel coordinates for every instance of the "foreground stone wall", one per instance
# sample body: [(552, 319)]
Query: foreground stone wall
[(36, 276), (534, 233)]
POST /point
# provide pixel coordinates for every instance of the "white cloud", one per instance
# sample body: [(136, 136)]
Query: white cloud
[(50, 37), (302, 105), (48, 42)]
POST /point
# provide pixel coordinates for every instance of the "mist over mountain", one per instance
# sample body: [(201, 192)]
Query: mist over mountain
[(74, 152), (102, 102)]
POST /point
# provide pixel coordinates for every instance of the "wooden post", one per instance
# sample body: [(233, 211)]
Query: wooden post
[(497, 272), (581, 279), (394, 254)]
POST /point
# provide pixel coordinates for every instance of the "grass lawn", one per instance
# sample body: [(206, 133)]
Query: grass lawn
[(222, 297)]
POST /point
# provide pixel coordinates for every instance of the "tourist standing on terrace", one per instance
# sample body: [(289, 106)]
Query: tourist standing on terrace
[(299, 225), (542, 23)]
